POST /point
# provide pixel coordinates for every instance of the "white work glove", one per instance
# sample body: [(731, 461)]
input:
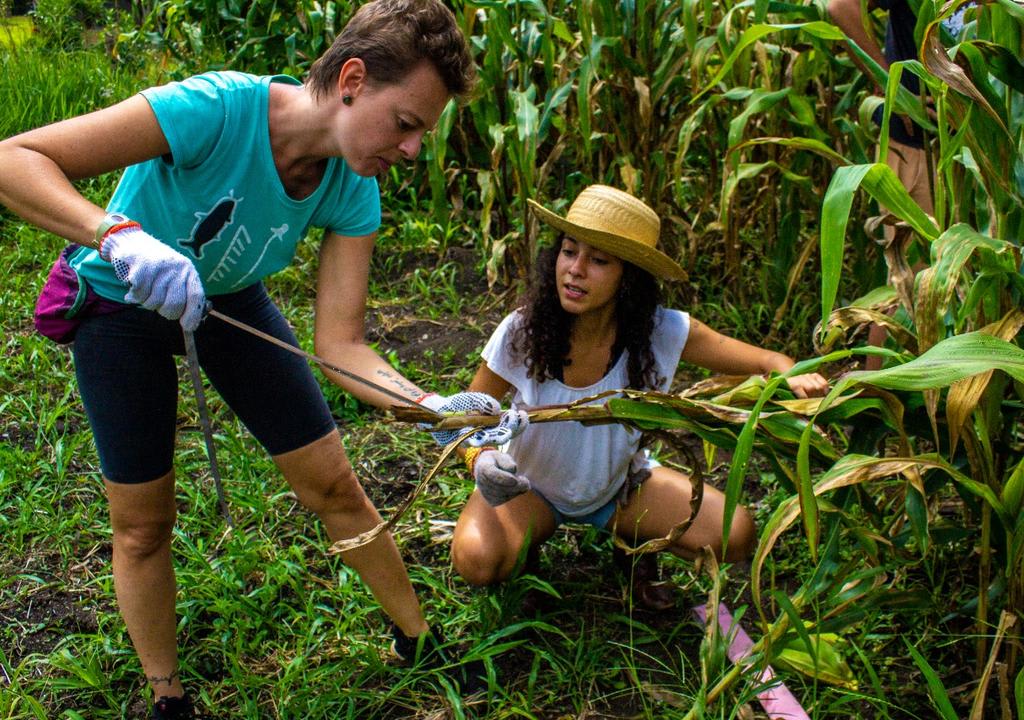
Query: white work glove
[(160, 278), (496, 477), (511, 424)]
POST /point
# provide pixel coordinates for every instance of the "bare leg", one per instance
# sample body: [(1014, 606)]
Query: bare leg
[(324, 482), (663, 501), (142, 518), (488, 539)]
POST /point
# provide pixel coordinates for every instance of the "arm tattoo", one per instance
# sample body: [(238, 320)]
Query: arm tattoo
[(400, 383)]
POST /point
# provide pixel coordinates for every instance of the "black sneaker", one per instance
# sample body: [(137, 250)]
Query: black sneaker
[(428, 652), (173, 708)]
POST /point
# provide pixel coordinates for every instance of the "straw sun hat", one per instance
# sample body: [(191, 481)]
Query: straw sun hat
[(617, 223)]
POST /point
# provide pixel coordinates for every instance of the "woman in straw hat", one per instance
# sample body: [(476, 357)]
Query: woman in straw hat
[(592, 322)]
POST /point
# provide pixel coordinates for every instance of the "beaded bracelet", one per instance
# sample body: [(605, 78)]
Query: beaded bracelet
[(472, 454)]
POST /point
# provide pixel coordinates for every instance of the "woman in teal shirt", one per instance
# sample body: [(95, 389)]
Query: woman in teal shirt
[(225, 172)]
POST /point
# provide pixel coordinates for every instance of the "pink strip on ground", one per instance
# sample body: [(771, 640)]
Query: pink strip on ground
[(778, 701)]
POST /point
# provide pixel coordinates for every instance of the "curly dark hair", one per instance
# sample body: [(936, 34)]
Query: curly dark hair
[(541, 342)]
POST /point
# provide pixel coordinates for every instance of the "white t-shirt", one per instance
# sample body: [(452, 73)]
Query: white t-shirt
[(579, 468)]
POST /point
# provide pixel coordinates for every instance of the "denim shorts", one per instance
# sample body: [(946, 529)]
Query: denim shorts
[(598, 518), (126, 371)]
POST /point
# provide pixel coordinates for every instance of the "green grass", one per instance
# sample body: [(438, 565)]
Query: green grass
[(14, 31)]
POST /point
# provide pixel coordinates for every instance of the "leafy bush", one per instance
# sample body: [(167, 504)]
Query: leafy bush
[(62, 24)]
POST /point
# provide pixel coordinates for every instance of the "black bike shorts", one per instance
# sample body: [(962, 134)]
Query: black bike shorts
[(124, 362)]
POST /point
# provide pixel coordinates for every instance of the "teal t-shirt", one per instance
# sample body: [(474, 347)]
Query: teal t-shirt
[(217, 198)]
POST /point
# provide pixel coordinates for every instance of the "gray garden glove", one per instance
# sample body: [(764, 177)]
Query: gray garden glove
[(511, 424), (159, 277), (496, 477)]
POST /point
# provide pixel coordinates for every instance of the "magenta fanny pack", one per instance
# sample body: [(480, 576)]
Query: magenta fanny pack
[(66, 299)]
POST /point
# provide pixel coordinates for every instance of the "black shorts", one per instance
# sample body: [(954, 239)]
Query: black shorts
[(126, 374)]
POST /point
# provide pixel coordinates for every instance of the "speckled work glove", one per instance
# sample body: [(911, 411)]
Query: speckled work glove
[(511, 424), (160, 278), (496, 477)]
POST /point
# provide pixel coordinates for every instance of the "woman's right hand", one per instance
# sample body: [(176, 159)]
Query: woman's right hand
[(160, 278), (808, 385), (496, 477)]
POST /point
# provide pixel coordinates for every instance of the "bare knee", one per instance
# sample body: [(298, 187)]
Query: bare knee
[(477, 562), (322, 478), (337, 492), (138, 539)]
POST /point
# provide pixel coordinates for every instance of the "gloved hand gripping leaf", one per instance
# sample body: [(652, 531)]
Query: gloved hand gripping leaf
[(512, 421)]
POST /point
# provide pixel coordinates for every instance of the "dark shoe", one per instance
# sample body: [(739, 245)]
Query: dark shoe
[(429, 652), (173, 708), (648, 590), (531, 563)]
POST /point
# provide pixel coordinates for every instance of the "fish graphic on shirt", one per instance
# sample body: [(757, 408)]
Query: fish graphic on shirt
[(210, 225)]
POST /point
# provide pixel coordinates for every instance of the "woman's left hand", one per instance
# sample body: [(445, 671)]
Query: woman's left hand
[(808, 385), (512, 421)]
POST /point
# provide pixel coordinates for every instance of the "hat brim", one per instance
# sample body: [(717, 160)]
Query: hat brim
[(650, 259)]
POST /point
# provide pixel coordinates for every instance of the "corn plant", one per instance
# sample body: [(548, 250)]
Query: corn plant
[(955, 323), (260, 37)]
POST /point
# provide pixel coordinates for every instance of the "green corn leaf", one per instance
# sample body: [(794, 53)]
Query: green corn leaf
[(835, 214), (760, 101), (937, 283), (826, 664), (526, 114), (945, 363), (1018, 693), (1000, 62), (936, 691), (815, 146), (741, 457), (648, 415), (917, 512), (792, 430), (854, 469), (552, 103), (751, 35), (802, 641), (1013, 491), (881, 182), (805, 494), (965, 395)]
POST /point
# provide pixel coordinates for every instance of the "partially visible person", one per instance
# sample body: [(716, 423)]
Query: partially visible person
[(592, 322), (224, 173), (906, 154)]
